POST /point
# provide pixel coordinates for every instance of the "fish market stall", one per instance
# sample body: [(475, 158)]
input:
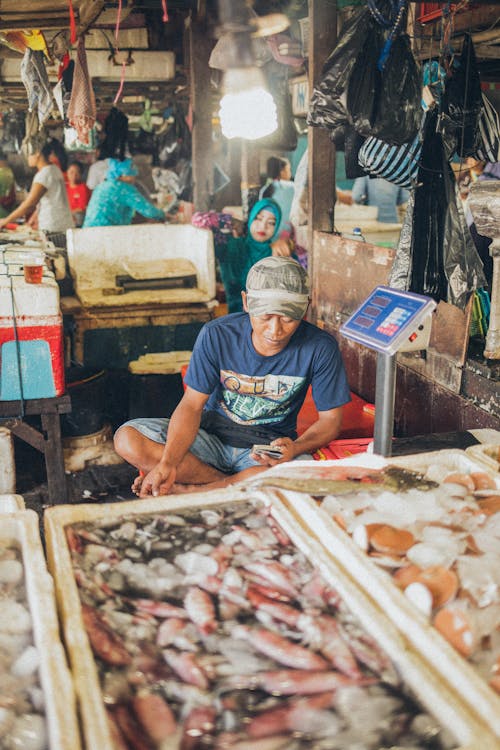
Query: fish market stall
[(37, 708), (218, 620), (423, 544)]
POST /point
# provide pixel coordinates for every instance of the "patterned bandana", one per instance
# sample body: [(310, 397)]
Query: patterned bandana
[(277, 286)]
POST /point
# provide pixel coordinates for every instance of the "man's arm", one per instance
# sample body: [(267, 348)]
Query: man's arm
[(182, 429), (320, 433)]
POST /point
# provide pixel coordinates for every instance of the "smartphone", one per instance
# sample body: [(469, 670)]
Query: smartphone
[(268, 450)]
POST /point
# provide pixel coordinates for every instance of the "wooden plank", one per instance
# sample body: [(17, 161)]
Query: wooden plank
[(200, 46), (322, 37)]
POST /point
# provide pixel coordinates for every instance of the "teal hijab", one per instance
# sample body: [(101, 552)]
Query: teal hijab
[(241, 253), (266, 204)]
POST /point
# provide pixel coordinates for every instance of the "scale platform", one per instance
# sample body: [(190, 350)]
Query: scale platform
[(389, 321)]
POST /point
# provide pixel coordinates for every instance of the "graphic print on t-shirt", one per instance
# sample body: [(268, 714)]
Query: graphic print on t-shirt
[(258, 399)]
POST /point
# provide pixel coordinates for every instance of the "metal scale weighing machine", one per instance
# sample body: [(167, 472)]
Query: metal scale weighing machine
[(389, 321)]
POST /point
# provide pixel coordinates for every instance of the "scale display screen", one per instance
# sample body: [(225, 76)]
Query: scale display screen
[(387, 318)]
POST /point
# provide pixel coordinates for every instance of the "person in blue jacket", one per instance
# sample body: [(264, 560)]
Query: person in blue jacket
[(115, 201)]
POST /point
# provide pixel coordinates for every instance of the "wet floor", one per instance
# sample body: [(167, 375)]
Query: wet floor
[(94, 484)]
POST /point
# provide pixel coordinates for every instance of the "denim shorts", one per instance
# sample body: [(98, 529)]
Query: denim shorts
[(207, 447)]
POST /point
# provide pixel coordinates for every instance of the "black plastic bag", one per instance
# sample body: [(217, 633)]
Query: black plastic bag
[(461, 105), (350, 143), (363, 89), (174, 142), (435, 254), (399, 110), (328, 104)]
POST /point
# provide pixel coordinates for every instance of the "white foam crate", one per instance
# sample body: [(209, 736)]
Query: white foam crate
[(377, 585), (488, 455), (11, 503), (469, 730), (55, 679)]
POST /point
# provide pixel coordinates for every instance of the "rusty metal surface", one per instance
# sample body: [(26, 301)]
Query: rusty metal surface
[(344, 274), (450, 331)]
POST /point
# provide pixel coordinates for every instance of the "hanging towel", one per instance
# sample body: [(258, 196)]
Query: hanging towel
[(82, 108), (36, 82)]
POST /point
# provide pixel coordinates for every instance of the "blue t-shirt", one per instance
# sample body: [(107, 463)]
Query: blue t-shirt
[(258, 396)]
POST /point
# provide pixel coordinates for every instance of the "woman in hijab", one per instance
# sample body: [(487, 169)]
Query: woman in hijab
[(236, 254), (115, 201)]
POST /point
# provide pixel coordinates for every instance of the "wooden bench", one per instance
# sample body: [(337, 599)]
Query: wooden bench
[(48, 441)]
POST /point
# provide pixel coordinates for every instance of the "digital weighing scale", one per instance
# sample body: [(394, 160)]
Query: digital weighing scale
[(389, 321)]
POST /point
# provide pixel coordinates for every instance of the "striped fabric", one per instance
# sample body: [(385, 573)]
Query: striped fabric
[(489, 133), (397, 164)]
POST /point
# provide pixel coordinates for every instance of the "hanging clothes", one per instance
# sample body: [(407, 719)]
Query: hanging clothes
[(82, 106)]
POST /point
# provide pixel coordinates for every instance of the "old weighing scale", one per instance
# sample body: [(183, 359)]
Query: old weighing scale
[(389, 321)]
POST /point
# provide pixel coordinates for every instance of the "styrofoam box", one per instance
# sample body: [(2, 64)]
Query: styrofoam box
[(55, 678), (11, 503), (142, 251), (485, 455), (470, 731), (411, 623)]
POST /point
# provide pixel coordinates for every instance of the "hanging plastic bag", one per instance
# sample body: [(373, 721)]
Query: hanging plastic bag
[(328, 105), (351, 145), (488, 147), (461, 105), (399, 111), (363, 90), (435, 254)]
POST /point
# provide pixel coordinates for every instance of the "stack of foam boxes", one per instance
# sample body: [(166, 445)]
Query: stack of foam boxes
[(44, 715), (31, 331)]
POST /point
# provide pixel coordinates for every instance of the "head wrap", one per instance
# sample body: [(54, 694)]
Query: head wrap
[(266, 204), (277, 286), (117, 169)]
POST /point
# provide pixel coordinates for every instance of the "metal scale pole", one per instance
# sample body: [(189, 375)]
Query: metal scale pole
[(385, 393)]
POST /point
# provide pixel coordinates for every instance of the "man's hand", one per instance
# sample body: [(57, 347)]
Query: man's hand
[(157, 482), (285, 445), (3, 223)]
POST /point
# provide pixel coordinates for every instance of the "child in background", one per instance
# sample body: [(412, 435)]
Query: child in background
[(78, 192)]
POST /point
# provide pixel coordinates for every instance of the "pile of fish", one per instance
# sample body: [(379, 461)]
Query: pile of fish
[(211, 629), (22, 719), (437, 533)]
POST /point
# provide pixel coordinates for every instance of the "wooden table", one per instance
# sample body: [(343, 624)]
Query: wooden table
[(47, 441)]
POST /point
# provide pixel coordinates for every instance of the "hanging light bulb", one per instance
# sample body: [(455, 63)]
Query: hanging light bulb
[(247, 109)]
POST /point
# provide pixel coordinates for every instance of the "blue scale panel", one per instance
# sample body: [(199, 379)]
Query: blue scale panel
[(387, 318)]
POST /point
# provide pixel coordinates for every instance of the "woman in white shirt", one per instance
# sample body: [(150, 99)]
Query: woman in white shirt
[(48, 191)]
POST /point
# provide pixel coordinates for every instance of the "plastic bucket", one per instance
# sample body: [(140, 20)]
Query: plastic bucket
[(87, 388)]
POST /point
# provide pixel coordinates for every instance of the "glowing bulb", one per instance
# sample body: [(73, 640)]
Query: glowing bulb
[(247, 110)]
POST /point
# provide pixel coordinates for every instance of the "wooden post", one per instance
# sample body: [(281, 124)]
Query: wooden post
[(199, 47), (322, 37), (249, 176)]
